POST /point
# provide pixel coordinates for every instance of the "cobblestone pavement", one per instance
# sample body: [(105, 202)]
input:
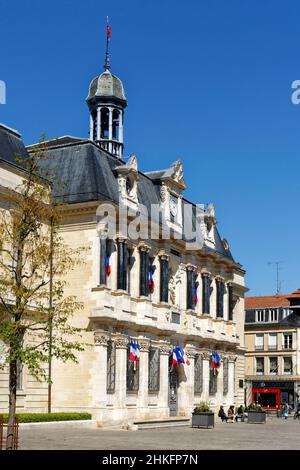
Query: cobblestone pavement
[(275, 434)]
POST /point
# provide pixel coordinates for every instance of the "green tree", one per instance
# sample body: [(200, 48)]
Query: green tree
[(35, 313)]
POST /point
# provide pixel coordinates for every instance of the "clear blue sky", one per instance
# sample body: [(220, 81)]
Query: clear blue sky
[(207, 81)]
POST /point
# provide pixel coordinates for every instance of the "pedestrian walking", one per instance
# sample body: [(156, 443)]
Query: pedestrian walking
[(286, 409)]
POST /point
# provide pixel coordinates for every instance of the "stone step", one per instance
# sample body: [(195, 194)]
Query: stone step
[(162, 423)]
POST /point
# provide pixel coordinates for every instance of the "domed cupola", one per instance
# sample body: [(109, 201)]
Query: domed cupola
[(107, 102)]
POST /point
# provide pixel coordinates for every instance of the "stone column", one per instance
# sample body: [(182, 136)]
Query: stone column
[(144, 371), (122, 263), (91, 127), (110, 128), (186, 385), (99, 371), (121, 343), (206, 361), (231, 378), (99, 123), (144, 270), (163, 395), (164, 278), (121, 128)]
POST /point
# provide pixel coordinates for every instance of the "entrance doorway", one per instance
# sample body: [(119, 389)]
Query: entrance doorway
[(173, 387)]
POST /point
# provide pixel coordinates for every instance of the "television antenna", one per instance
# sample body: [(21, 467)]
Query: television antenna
[(278, 281)]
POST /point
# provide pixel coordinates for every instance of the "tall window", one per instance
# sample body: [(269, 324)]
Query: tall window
[(273, 314), (260, 315), (272, 341), (132, 382), (260, 366), (225, 376), (273, 365), (153, 376), (287, 341), (287, 365), (259, 342), (111, 367), (213, 380), (198, 374)]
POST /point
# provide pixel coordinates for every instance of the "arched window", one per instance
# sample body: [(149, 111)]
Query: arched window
[(104, 123), (116, 124)]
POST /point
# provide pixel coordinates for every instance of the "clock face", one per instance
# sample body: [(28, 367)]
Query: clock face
[(173, 206)]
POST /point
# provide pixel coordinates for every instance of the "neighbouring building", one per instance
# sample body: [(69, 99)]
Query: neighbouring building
[(157, 292), (272, 338)]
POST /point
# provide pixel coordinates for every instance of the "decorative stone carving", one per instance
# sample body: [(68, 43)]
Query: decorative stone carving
[(178, 172), (165, 349), (174, 281), (206, 355), (190, 352), (121, 342), (232, 358), (163, 193), (101, 338), (132, 162), (144, 345)]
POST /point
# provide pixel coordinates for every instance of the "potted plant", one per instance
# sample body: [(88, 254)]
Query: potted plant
[(203, 416), (256, 415)]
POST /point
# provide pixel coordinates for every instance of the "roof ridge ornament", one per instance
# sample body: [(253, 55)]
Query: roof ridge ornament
[(108, 35)]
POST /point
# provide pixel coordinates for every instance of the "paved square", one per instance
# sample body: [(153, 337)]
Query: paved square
[(275, 434)]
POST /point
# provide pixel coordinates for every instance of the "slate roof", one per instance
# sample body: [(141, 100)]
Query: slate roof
[(11, 145)]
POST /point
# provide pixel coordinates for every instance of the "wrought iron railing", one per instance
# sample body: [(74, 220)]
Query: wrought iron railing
[(9, 429)]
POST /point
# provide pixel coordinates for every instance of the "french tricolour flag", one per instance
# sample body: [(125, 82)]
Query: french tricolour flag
[(179, 356), (215, 361), (134, 353)]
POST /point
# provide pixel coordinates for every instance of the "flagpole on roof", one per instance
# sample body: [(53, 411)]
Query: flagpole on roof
[(108, 33)]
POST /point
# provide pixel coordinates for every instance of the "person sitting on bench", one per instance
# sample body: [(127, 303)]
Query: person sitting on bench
[(230, 413), (222, 414)]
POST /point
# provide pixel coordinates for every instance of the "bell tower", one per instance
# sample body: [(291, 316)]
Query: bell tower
[(107, 102)]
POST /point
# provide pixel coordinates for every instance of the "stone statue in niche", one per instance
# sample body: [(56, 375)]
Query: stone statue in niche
[(174, 281)]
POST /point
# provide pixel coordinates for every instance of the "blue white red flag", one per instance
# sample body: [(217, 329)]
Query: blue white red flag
[(179, 356), (195, 294), (107, 263), (150, 280), (215, 361), (134, 353)]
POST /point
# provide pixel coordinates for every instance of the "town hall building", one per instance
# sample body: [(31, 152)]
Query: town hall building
[(163, 279)]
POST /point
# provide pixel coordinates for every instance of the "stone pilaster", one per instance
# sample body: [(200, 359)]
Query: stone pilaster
[(121, 343), (206, 361), (231, 377), (143, 371), (186, 384), (163, 396), (99, 395)]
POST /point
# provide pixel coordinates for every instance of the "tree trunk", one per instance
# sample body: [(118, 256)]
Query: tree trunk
[(12, 403)]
